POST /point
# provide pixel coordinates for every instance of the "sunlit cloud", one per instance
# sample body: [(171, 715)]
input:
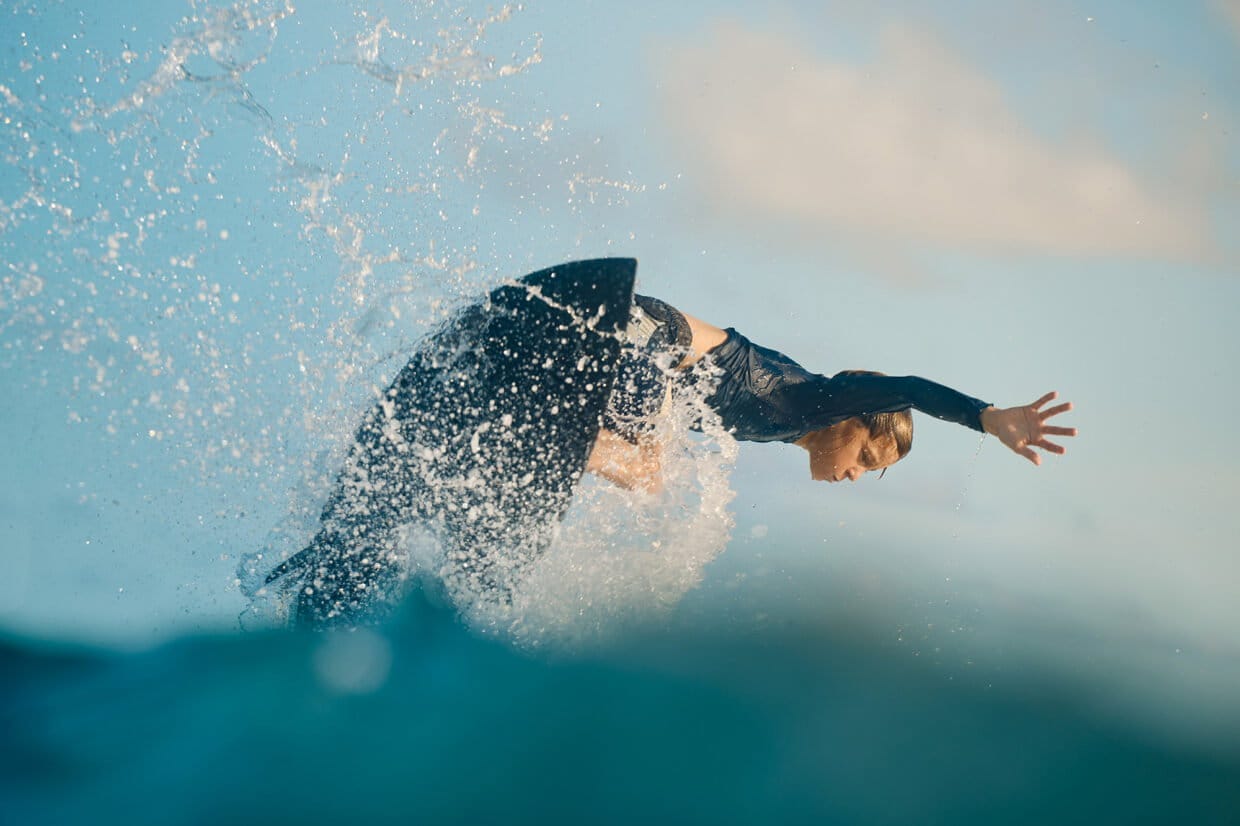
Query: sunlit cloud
[(1230, 10), (915, 147)]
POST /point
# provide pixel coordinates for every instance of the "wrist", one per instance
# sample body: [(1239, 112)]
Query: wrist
[(988, 418)]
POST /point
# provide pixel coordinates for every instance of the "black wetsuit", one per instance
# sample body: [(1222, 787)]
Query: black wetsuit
[(764, 396), (347, 572), (657, 336)]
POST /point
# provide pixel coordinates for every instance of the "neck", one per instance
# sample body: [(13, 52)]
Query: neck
[(828, 438), (809, 440)]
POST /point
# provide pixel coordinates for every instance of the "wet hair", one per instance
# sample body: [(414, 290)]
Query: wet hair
[(897, 425)]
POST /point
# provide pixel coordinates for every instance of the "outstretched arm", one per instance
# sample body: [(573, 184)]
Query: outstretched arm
[(1024, 428)]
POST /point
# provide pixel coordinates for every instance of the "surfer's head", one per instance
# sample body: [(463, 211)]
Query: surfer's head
[(856, 446)]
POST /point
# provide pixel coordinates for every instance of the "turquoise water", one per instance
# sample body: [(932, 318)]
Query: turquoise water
[(423, 722), (221, 227)]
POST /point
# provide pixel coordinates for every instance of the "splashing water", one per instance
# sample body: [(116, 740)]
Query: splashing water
[(224, 224), (622, 559), (618, 561)]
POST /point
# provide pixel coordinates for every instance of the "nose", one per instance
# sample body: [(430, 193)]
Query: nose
[(853, 474)]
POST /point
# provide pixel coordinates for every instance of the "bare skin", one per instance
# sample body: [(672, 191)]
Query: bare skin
[(706, 337), (631, 466), (844, 451), (1024, 428)]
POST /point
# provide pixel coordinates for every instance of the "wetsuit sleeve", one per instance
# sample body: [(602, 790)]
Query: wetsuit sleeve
[(822, 401), (761, 395)]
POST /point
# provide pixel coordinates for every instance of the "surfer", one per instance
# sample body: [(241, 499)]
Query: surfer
[(482, 435), (850, 423)]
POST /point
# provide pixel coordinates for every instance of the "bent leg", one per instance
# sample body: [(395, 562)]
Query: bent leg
[(633, 466)]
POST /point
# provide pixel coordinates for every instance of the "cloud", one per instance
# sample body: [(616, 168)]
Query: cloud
[(916, 147), (1230, 10)]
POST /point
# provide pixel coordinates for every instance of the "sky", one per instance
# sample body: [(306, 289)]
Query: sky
[(219, 221)]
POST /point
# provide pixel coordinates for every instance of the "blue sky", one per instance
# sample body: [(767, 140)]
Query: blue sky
[(202, 275)]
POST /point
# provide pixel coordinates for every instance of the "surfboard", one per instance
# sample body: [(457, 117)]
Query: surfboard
[(480, 439)]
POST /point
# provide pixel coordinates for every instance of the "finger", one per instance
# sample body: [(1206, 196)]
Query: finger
[(1059, 431), (1051, 447), (1030, 455), (1055, 411), (1051, 395)]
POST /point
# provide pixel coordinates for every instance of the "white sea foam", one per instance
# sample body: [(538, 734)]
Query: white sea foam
[(621, 559)]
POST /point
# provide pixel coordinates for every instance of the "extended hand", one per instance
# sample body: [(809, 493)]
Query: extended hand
[(1024, 428)]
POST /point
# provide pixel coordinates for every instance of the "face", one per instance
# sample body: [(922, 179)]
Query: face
[(846, 451)]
